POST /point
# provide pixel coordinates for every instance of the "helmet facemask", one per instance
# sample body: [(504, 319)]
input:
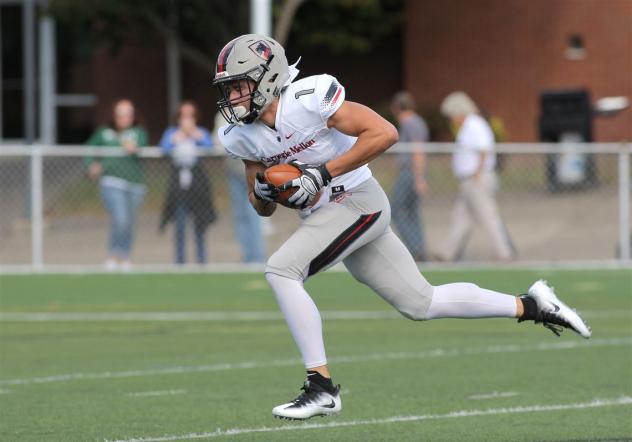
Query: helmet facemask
[(234, 111)]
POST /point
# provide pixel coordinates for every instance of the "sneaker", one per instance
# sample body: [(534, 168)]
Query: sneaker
[(111, 265), (314, 401), (126, 265), (553, 313)]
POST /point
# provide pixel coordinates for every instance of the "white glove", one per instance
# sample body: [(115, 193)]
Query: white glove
[(308, 185), (264, 190)]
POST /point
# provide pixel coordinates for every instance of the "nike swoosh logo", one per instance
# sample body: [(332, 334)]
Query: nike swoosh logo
[(287, 137), (557, 308), (332, 405)]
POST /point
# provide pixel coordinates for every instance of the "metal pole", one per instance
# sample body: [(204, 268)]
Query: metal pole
[(260, 17), (47, 80), (1, 88), (37, 243), (174, 82), (28, 33), (624, 204), (174, 89)]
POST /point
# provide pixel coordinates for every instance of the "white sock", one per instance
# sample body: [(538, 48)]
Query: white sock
[(302, 316), (466, 300)]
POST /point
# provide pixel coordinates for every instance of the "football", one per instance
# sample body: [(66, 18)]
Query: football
[(281, 174)]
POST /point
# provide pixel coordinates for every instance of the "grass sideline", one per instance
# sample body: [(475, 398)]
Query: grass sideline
[(83, 379)]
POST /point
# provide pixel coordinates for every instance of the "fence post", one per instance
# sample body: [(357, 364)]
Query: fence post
[(37, 245), (624, 204)]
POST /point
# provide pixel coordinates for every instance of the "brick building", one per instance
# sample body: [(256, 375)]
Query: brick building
[(504, 52)]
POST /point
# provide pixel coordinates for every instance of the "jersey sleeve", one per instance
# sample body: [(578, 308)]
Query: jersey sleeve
[(330, 95), (315, 99), (236, 147)]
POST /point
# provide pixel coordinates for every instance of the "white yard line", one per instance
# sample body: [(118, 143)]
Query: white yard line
[(595, 403), (373, 357), (257, 269), (232, 316), (493, 395), (156, 393), (187, 316)]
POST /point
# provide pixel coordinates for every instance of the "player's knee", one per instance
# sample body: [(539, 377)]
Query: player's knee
[(280, 264), (415, 306), (414, 312)]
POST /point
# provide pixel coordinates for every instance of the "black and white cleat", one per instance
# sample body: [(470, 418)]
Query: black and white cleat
[(313, 401), (553, 313)]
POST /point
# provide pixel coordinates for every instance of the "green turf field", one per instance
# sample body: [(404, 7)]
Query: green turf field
[(206, 357)]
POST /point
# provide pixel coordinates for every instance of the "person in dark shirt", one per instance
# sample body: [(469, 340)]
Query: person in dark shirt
[(411, 184), (189, 191)]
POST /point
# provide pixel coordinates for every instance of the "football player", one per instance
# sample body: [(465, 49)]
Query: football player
[(273, 119)]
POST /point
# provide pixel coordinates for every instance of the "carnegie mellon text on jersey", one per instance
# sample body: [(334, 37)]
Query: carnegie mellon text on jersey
[(275, 159)]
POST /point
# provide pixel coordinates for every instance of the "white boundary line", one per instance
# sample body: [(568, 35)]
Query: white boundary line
[(493, 395), (257, 269), (595, 403), (373, 357), (187, 316), (156, 393), (231, 316)]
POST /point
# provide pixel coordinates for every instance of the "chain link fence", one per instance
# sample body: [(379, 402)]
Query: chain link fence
[(557, 203)]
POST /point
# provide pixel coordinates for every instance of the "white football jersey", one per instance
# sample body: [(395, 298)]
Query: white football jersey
[(300, 133)]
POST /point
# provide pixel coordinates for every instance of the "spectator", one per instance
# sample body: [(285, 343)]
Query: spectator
[(246, 222), (121, 181), (411, 183), (189, 188), (473, 164)]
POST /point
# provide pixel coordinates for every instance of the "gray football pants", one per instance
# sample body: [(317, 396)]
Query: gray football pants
[(356, 230)]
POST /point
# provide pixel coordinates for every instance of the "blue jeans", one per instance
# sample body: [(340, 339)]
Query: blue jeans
[(406, 208), (246, 221), (122, 203), (180, 238)]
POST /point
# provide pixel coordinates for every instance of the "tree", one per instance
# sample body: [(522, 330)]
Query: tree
[(346, 26), (201, 27)]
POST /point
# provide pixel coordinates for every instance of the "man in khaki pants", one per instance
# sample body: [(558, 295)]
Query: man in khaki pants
[(473, 165)]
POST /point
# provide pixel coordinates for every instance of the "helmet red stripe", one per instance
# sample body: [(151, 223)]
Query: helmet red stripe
[(223, 57)]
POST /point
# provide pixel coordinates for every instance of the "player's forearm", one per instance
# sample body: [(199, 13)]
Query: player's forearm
[(263, 208), (370, 144)]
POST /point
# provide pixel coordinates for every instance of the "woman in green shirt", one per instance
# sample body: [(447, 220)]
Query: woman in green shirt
[(120, 179)]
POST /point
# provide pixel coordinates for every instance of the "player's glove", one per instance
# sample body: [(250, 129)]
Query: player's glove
[(264, 190), (313, 178)]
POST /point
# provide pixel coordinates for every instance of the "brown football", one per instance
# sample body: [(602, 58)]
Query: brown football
[(281, 174)]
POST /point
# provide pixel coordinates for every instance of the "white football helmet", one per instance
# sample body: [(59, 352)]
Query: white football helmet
[(250, 57)]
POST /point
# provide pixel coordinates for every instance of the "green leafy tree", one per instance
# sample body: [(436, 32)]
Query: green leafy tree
[(201, 27), (346, 26)]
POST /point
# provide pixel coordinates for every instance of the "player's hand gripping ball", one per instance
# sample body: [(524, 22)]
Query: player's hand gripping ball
[(290, 180), (263, 190)]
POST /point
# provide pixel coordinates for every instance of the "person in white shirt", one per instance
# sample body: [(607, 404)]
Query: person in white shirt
[(473, 164), (273, 119)]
